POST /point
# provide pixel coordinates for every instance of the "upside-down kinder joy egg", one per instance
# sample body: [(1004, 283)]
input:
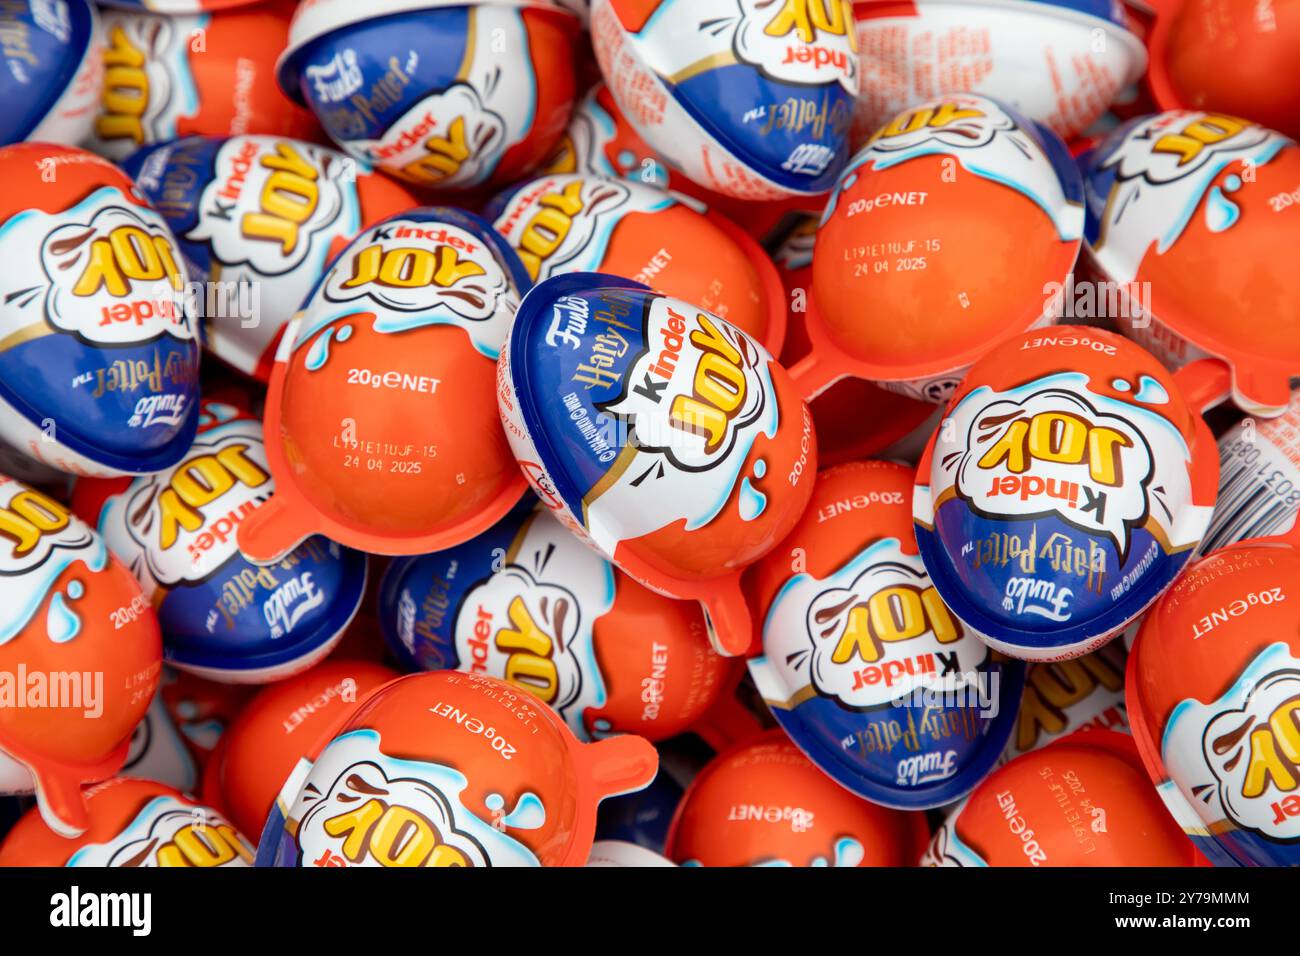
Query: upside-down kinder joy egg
[(446, 94), (200, 74), (1259, 479), (222, 617), (1213, 698), (565, 223), (80, 655), (449, 769), (380, 422), (763, 803), (133, 823), (1191, 218), (284, 723), (665, 437), (53, 68), (1069, 482), (1062, 697), (751, 99), (1231, 56), (862, 664), (99, 362), (946, 233), (1080, 801), (527, 602), (1059, 62), (256, 217)]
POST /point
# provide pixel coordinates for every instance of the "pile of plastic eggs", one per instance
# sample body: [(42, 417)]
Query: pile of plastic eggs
[(649, 432)]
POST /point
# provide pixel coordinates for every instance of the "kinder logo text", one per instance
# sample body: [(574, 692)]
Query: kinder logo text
[(554, 222), (1052, 453), (699, 384), (112, 273), (269, 200), (800, 41), (414, 266)]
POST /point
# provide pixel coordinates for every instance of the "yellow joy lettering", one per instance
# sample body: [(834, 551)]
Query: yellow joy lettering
[(288, 199), (125, 93), (1188, 142), (934, 117), (445, 156), (393, 835), (718, 390), (893, 614), (409, 267), (806, 17), (128, 254), (1275, 751), (550, 226), (529, 647), (200, 481), (203, 846), (1060, 437), (31, 514)]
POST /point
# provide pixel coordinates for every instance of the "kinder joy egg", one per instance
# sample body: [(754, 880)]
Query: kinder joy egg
[(1060, 62), (1230, 56), (575, 223), (284, 723), (619, 854), (380, 407), (100, 363), (256, 218), (53, 67), (763, 803), (752, 99), (1081, 801), (79, 656), (527, 602), (1211, 689), (193, 74), (665, 437), (1259, 479), (943, 236), (448, 769), (1179, 197), (133, 823), (222, 617), (1068, 484), (444, 94), (1064, 696), (862, 664)]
